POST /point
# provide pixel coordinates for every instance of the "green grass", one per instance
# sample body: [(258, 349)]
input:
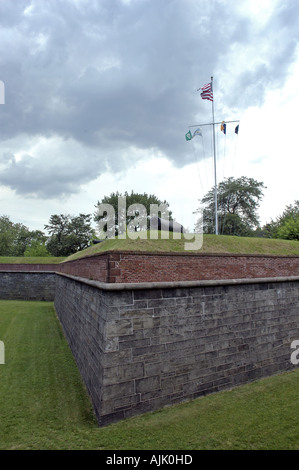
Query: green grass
[(211, 244), (44, 404), (30, 260)]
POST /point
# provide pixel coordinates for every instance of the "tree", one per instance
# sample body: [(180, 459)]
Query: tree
[(36, 244), (289, 230), (36, 249), (118, 212), (286, 225), (237, 201), (6, 236), (69, 234), (15, 238)]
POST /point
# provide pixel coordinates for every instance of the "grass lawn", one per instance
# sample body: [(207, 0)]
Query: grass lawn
[(211, 244), (146, 242), (44, 404)]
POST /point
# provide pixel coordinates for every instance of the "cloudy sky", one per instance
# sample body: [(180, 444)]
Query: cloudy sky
[(99, 95)]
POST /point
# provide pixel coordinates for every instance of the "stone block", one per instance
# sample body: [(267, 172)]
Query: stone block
[(147, 384), (118, 328)]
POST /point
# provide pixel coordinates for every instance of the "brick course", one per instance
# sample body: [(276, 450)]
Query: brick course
[(29, 267), (136, 267), (132, 267)]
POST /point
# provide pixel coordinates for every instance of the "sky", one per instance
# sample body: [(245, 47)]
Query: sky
[(99, 94)]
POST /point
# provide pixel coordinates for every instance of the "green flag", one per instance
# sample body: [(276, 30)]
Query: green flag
[(188, 136)]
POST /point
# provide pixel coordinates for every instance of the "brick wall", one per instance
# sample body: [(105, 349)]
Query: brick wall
[(136, 267), (29, 267), (141, 349), (155, 267), (119, 267), (91, 267)]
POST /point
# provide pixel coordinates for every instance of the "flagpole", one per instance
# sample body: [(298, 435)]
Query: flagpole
[(207, 93), (215, 171), (210, 123)]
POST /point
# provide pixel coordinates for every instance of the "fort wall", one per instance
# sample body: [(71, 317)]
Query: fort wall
[(148, 330)]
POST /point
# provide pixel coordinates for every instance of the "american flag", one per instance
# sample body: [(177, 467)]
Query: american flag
[(206, 92)]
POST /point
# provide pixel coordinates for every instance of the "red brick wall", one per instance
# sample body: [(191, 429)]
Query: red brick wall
[(93, 267), (126, 266), (29, 267), (167, 267)]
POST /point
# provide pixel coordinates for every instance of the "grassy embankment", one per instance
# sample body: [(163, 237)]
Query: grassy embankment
[(211, 244), (44, 404), (30, 260)]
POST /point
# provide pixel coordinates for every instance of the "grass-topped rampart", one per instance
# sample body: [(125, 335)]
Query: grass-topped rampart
[(211, 244), (30, 260)]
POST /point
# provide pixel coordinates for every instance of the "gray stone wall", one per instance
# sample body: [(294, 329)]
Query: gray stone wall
[(27, 285), (143, 347)]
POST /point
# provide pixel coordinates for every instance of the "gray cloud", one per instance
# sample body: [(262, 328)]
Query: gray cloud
[(38, 177), (112, 75)]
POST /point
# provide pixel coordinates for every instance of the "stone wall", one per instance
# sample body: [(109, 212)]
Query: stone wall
[(140, 348), (149, 330), (24, 285)]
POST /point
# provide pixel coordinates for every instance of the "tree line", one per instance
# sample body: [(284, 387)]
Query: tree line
[(67, 235), (237, 200)]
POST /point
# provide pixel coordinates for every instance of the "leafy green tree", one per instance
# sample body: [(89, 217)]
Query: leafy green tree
[(269, 230), (6, 236), (69, 234), (15, 238), (36, 249), (35, 244), (237, 201), (286, 225), (120, 212), (289, 230)]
